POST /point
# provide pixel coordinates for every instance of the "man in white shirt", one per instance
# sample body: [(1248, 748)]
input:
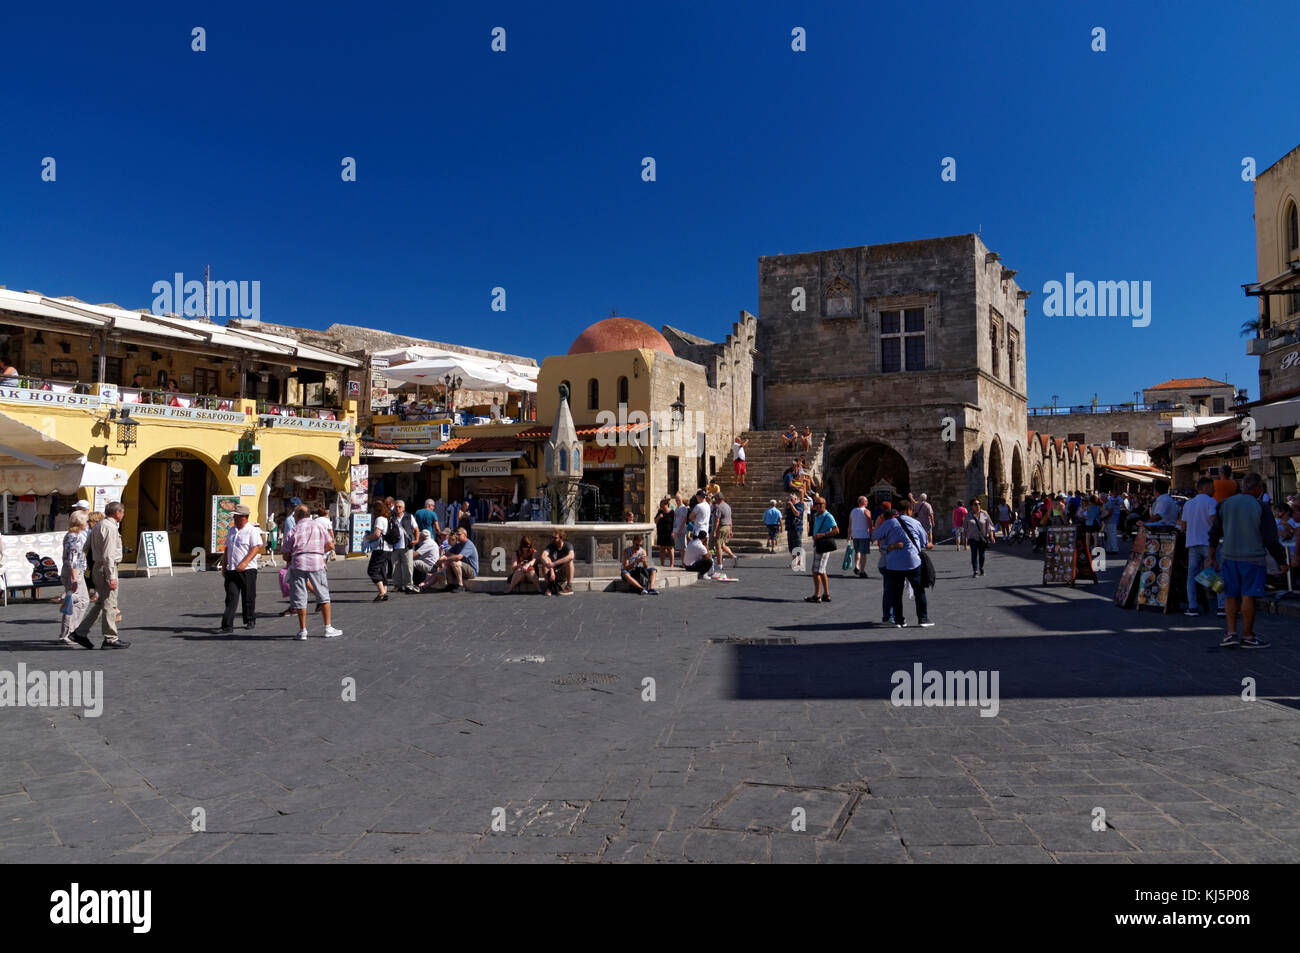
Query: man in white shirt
[(239, 568), (738, 463), (1165, 511), (700, 515), (860, 533), (697, 555), (1198, 517)]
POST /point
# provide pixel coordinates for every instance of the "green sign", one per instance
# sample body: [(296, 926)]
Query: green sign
[(246, 457)]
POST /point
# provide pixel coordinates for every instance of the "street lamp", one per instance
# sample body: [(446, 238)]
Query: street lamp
[(452, 385), (1054, 403)]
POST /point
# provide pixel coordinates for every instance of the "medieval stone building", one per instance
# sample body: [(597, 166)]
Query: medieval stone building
[(910, 357)]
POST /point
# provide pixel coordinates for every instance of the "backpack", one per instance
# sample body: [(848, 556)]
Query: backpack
[(392, 535)]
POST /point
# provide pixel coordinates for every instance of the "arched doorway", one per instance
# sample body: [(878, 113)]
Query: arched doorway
[(306, 479), (996, 482), (172, 492), (1017, 476), (1036, 481), (861, 466)]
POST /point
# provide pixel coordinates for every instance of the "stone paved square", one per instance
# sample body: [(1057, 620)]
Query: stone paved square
[(453, 752)]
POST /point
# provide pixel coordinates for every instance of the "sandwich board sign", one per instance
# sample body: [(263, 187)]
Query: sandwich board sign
[(155, 553)]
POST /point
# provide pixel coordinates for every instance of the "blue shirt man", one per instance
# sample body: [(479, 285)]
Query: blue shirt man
[(772, 516), (892, 532), (427, 519), (468, 552), (902, 540)]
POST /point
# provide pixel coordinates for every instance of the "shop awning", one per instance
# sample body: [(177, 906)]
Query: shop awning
[(1135, 474), (1186, 460), (33, 462), (1217, 449), (1283, 413), (392, 461)]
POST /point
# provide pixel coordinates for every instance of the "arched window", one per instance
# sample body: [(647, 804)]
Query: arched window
[(681, 392), (1292, 242), (577, 459), (622, 390), (593, 394)]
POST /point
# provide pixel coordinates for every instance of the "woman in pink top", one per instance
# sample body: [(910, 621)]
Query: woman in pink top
[(959, 525)]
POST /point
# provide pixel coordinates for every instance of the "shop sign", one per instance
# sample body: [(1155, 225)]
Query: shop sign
[(347, 448), (52, 398), (593, 456), (303, 423), (1291, 359), (485, 468), (187, 413), (1256, 452), (412, 437)]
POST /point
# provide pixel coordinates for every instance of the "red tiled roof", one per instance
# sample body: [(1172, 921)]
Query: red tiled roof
[(479, 445), (378, 444), (543, 433), (1205, 438), (1180, 383)]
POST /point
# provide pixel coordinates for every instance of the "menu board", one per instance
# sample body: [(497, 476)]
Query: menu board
[(1067, 557), (360, 530), (1128, 578), (1156, 572), (223, 518)]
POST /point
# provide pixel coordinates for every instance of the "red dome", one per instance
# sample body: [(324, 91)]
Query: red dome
[(619, 334)]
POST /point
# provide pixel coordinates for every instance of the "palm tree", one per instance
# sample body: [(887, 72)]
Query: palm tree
[(1250, 327)]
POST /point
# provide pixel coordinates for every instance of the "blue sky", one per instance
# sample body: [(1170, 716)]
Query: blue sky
[(523, 169)]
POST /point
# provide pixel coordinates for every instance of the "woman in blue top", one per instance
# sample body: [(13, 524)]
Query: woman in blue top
[(1092, 520), (824, 527)]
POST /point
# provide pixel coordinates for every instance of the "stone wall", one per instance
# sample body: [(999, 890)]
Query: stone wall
[(822, 366), (1142, 426)]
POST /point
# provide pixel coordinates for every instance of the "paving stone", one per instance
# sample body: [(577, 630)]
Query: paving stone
[(444, 730)]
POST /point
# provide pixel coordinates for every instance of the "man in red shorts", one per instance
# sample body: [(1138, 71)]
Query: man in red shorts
[(738, 464)]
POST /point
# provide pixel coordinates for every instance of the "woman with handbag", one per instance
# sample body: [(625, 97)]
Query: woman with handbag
[(824, 531), (980, 534)]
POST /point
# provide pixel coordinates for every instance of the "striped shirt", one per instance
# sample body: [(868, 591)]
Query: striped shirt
[(307, 542)]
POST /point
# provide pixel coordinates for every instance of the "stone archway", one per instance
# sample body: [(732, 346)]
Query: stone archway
[(864, 464), (1017, 476), (1036, 481), (171, 491), (995, 483)]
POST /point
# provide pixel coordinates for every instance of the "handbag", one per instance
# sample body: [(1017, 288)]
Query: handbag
[(928, 575), (823, 544), (284, 583), (848, 557)]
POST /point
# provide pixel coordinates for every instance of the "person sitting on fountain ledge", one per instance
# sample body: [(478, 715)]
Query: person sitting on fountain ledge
[(556, 562), (636, 573)]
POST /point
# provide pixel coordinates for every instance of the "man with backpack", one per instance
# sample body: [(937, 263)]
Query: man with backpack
[(1242, 535), (901, 540)]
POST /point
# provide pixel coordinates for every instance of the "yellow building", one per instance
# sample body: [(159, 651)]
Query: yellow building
[(167, 401), (655, 416)]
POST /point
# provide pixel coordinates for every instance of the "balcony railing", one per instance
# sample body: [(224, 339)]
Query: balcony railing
[(1099, 409)]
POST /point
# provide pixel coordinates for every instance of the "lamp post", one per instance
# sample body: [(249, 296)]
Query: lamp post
[(452, 385), (1054, 396)]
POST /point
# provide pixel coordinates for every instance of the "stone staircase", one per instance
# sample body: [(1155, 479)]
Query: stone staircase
[(765, 461)]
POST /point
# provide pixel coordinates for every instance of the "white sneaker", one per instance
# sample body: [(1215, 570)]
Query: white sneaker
[(301, 636), (332, 633)]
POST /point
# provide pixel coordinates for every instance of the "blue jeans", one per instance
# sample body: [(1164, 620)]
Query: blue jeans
[(894, 589), (1198, 557)]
